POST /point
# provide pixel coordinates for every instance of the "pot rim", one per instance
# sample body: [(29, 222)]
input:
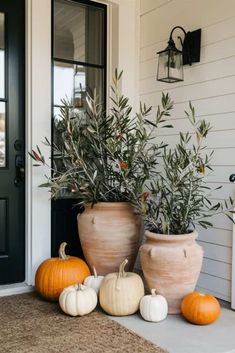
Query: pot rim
[(171, 237), (109, 204)]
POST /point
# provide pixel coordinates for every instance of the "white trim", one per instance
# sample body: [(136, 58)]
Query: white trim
[(112, 45), (38, 125), (16, 288)]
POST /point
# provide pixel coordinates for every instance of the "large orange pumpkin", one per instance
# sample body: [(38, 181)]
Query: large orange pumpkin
[(57, 273), (200, 308)]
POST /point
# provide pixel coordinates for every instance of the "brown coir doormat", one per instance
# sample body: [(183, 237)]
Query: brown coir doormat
[(29, 324)]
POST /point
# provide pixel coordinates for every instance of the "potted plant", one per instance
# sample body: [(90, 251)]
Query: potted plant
[(179, 201), (104, 161)]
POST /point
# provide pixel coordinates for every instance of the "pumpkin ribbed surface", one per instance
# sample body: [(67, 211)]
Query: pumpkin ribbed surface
[(200, 308), (78, 300), (153, 307), (55, 274), (121, 292)]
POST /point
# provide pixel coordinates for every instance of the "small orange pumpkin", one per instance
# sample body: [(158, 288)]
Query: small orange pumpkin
[(200, 308), (57, 273)]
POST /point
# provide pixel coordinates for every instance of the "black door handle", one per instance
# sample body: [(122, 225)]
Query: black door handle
[(19, 166), (232, 178)]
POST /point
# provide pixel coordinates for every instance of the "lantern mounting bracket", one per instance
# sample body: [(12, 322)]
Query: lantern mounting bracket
[(191, 45)]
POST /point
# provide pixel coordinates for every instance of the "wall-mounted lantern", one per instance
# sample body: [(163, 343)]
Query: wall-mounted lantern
[(171, 60)]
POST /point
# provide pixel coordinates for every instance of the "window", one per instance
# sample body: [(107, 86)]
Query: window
[(79, 53)]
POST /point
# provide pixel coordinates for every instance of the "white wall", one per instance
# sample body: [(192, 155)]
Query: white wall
[(210, 85)]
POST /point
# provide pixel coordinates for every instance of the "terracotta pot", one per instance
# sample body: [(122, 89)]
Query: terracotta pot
[(110, 232), (171, 264)]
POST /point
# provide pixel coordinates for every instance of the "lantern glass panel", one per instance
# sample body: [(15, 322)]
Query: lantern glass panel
[(170, 66)]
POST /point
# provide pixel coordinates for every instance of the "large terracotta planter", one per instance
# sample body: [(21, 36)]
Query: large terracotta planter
[(171, 264), (110, 232)]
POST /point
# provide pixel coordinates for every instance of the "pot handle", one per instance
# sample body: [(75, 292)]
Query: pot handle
[(150, 252)]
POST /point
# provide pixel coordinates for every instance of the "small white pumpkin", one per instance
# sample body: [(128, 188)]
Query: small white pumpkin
[(94, 281), (78, 300), (120, 292), (153, 307)]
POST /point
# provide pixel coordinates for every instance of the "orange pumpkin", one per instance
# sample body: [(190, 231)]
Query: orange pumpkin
[(200, 308), (57, 273)]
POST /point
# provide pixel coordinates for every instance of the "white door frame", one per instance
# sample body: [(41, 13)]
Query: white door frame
[(38, 125)]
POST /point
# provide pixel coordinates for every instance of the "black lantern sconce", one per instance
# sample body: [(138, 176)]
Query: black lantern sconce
[(171, 60)]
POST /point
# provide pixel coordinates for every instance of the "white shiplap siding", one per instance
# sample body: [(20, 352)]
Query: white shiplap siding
[(210, 85)]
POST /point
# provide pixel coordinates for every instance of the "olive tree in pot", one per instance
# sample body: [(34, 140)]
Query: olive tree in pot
[(104, 160), (179, 201)]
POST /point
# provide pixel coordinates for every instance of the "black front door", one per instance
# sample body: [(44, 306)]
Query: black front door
[(12, 96)]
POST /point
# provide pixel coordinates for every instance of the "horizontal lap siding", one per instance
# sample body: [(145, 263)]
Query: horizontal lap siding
[(210, 85)]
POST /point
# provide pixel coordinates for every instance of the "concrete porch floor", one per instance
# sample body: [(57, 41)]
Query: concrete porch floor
[(178, 336)]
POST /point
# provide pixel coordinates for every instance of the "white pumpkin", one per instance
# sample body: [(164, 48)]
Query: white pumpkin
[(94, 281), (121, 292), (78, 300), (153, 307)]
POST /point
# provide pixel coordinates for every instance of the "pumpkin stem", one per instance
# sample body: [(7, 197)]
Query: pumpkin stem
[(79, 286), (94, 271), (153, 291), (121, 272), (62, 254)]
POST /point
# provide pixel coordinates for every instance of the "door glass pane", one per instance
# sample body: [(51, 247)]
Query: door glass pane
[(2, 56), (86, 80), (2, 135), (74, 82), (78, 32), (63, 82)]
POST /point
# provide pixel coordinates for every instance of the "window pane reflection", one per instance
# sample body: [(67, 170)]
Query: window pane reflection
[(78, 31), (63, 82), (73, 82), (2, 135)]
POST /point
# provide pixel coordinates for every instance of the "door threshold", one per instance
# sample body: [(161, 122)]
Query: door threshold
[(15, 288)]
